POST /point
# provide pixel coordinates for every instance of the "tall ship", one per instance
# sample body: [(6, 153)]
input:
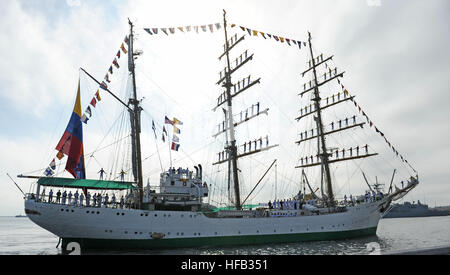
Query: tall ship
[(110, 213)]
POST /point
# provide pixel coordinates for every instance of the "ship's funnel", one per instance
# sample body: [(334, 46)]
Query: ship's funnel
[(201, 171), (196, 172)]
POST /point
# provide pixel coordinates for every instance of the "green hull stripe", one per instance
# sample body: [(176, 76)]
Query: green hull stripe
[(218, 241)]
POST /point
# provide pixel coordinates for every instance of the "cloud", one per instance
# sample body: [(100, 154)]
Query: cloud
[(44, 54), (73, 3)]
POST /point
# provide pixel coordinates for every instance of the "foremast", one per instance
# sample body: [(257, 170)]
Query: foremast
[(232, 149), (228, 126)]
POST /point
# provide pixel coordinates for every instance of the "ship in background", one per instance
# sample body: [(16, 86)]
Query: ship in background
[(410, 210)]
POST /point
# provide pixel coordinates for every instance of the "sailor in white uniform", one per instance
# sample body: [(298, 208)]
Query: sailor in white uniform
[(113, 200), (81, 199), (106, 200), (75, 196), (99, 200), (64, 195)]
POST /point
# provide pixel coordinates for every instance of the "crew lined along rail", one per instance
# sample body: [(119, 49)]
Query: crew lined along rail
[(79, 199)]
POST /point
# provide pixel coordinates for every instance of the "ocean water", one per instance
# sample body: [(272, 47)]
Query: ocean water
[(20, 236)]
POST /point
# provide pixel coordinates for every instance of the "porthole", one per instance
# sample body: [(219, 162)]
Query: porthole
[(156, 215), (118, 214), (123, 214), (98, 212), (62, 210)]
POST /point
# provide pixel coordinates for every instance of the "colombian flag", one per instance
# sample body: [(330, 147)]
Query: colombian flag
[(71, 143)]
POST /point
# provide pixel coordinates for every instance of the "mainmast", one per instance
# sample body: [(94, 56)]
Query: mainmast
[(228, 126), (135, 115), (318, 119), (326, 156), (231, 147)]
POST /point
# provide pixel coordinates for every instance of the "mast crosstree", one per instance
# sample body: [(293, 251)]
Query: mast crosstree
[(230, 155), (324, 157)]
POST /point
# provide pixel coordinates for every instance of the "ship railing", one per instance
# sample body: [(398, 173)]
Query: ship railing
[(360, 200), (78, 203), (189, 190), (30, 196)]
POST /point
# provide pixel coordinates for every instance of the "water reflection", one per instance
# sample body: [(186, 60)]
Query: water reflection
[(340, 247), (21, 236)]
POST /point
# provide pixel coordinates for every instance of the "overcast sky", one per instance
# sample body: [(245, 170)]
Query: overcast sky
[(395, 55)]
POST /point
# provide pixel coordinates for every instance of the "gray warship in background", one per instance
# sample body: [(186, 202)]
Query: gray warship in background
[(410, 210)]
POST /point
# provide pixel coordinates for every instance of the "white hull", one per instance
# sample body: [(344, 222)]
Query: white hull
[(87, 223)]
